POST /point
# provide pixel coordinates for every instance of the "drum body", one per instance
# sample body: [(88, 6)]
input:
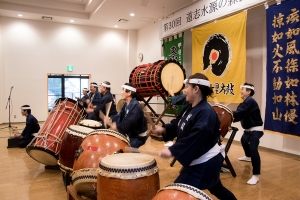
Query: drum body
[(225, 116), (45, 147), (179, 191), (90, 123), (160, 76), (70, 143), (94, 147), (127, 176)]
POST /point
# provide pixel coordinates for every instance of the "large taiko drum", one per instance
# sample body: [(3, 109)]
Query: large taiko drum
[(225, 116), (70, 143), (45, 147), (162, 76), (127, 176), (94, 147), (179, 191), (90, 123)]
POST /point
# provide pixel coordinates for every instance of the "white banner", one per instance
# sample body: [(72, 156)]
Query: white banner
[(203, 11)]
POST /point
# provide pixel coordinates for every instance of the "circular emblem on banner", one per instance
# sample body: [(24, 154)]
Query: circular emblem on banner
[(217, 54)]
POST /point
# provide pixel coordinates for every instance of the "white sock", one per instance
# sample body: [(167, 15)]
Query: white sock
[(253, 180)]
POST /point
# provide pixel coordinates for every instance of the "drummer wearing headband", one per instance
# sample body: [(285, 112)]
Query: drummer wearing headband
[(248, 113), (106, 98), (84, 98), (197, 132), (93, 102), (131, 120), (32, 126)]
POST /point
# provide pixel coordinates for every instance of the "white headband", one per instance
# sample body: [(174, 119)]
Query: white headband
[(197, 81), (248, 86), (105, 85), (85, 89), (93, 84), (129, 88), (25, 108)]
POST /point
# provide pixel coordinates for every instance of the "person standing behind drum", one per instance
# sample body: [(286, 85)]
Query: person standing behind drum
[(197, 132), (106, 98), (93, 101), (131, 120), (84, 98), (32, 126), (248, 113)]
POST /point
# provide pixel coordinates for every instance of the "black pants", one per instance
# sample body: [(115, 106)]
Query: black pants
[(250, 142), (24, 143)]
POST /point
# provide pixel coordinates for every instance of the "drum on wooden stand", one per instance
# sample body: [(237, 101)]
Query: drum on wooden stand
[(179, 191), (45, 147), (90, 123), (127, 176), (70, 144), (93, 148), (160, 76), (225, 116)]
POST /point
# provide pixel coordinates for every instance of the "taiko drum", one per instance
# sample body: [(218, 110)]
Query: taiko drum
[(93, 148), (179, 191), (159, 77), (127, 176), (45, 147), (225, 116)]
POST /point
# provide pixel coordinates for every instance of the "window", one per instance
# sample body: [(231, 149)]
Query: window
[(65, 85)]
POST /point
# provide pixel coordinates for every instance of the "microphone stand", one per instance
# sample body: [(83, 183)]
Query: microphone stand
[(8, 103)]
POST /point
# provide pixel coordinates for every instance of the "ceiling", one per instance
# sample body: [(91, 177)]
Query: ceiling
[(100, 13)]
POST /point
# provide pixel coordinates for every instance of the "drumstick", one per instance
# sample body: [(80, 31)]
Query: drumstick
[(136, 150), (107, 110)]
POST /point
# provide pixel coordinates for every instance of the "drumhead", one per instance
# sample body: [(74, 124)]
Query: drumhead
[(112, 133), (42, 155), (195, 192), (80, 131), (83, 181), (90, 123), (172, 76), (225, 108), (127, 166)]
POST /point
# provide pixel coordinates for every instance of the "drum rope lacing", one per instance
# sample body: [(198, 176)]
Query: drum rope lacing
[(49, 127)]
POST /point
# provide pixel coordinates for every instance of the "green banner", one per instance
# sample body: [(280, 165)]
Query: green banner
[(173, 48)]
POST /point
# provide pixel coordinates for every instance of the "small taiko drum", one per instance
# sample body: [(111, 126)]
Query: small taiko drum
[(93, 148), (90, 123), (45, 147), (70, 143), (127, 176), (179, 191), (159, 77), (225, 116)]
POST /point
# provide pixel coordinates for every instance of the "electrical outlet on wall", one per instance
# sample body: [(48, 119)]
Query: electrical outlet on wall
[(15, 116)]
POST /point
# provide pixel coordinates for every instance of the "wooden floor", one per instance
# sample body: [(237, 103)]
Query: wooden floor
[(23, 178)]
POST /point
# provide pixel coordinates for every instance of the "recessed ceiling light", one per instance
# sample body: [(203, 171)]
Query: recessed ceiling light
[(72, 20), (131, 14), (116, 26), (20, 15)]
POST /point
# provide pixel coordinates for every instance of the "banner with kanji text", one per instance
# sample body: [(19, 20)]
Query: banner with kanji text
[(219, 52), (283, 53)]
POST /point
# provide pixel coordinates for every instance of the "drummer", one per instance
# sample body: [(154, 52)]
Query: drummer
[(32, 126), (106, 98), (84, 98), (93, 101), (197, 132), (131, 120)]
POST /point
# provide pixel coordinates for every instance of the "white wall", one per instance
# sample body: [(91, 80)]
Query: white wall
[(31, 49), (255, 72)]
